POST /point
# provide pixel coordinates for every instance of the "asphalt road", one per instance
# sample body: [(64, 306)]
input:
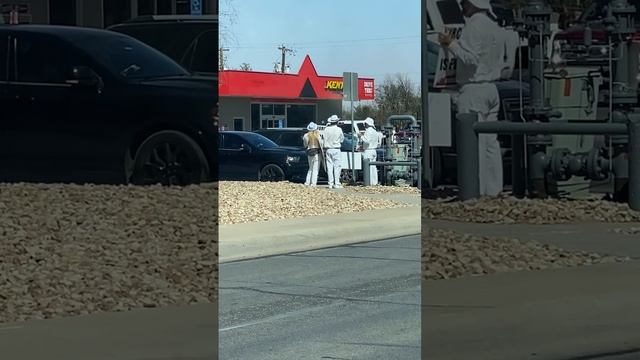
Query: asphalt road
[(352, 302)]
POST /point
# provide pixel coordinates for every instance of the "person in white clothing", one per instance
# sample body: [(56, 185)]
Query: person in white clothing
[(333, 137), (313, 144), (371, 140), (481, 55)]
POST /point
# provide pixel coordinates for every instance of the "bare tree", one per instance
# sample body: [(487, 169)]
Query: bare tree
[(245, 67), (397, 95), (228, 18)]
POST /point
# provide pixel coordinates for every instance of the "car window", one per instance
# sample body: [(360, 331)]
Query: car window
[(258, 141), (291, 139), (233, 142), (206, 53), (177, 40), (130, 58), (42, 60)]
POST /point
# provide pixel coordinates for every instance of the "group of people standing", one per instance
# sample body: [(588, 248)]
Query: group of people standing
[(328, 145)]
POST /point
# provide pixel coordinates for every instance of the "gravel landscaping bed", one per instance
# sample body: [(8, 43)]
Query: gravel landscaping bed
[(509, 210), (242, 202), (379, 189), (70, 249), (448, 254)]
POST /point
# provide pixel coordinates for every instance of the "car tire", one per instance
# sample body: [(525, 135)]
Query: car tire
[(271, 172), (169, 158)]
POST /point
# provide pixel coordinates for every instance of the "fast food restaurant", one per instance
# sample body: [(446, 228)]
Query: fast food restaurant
[(252, 100)]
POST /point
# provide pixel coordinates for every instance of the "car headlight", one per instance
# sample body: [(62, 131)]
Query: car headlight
[(293, 159)]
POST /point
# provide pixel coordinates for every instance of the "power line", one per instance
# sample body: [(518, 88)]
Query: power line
[(329, 42)]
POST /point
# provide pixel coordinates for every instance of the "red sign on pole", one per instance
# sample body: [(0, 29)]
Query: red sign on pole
[(367, 91)]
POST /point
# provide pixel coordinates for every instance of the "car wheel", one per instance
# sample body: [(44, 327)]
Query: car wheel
[(169, 158), (271, 172)]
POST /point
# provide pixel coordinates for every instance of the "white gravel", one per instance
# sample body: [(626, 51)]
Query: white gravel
[(70, 249), (243, 202), (448, 254)]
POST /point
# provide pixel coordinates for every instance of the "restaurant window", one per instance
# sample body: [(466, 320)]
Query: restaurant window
[(255, 117), (165, 7), (146, 7), (116, 11), (62, 12), (183, 7)]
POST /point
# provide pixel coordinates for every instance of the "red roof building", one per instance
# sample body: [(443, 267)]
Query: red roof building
[(251, 100)]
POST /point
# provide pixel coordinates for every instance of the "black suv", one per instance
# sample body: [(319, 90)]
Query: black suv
[(249, 156), (89, 105), (190, 40)]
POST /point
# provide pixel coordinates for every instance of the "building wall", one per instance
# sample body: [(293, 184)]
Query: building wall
[(90, 13), (231, 108), (326, 108)]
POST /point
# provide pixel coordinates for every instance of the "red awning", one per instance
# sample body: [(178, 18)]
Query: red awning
[(306, 84)]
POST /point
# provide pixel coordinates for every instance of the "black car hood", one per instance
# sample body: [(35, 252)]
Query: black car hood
[(191, 82)]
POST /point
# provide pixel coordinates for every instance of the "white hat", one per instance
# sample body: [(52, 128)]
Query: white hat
[(333, 119), (483, 5), (369, 121), (312, 126)]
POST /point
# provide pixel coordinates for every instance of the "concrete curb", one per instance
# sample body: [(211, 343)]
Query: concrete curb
[(278, 237)]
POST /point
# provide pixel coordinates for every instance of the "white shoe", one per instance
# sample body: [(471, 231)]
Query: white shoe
[(330, 186), (338, 186)]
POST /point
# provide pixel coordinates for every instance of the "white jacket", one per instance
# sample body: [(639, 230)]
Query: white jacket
[(480, 51), (332, 137), (371, 139)]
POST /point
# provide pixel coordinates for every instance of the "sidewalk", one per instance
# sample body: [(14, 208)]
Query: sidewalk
[(542, 315), (592, 237), (277, 237), (171, 333)]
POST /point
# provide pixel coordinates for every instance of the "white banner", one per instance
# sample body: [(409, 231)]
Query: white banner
[(447, 63)]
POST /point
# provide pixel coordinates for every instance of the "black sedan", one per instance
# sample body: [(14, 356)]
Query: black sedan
[(88, 105), (250, 156)]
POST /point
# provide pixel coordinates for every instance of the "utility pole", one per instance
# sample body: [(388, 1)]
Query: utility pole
[(284, 51), (221, 55), (427, 175)]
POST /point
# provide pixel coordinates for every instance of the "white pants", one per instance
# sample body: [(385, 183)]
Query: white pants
[(484, 100), (334, 166), (373, 170), (312, 174)]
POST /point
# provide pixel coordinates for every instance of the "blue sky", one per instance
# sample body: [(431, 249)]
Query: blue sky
[(374, 38)]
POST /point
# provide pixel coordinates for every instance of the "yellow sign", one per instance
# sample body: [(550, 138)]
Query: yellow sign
[(333, 85)]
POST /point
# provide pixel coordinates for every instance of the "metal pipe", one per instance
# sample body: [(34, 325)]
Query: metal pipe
[(426, 174), (366, 175), (468, 157), (634, 161), (559, 128), (518, 176), (392, 163), (538, 165), (391, 118)]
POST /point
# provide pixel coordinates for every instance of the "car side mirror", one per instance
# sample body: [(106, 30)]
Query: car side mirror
[(245, 148), (86, 77)]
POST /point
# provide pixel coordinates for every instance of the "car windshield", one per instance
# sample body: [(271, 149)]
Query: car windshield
[(258, 141), (131, 59), (347, 128)]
